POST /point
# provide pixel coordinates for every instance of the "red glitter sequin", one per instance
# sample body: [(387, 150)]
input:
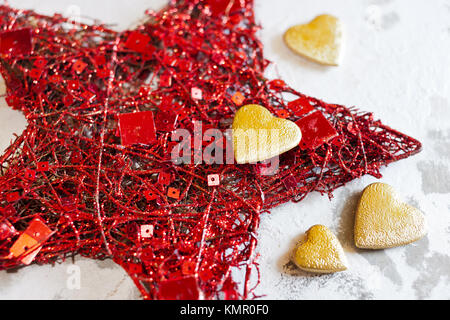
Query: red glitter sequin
[(137, 127), (150, 195), (316, 130), (166, 121), (219, 7), (173, 193), (13, 196), (16, 42), (138, 42), (213, 180), (179, 289), (7, 230), (300, 106), (238, 98), (43, 166), (30, 241)]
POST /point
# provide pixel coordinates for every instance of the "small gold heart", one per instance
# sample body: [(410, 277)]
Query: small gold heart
[(384, 221), (321, 252), (320, 40), (259, 136)]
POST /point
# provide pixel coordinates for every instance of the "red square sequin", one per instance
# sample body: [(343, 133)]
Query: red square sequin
[(316, 130), (7, 230), (28, 245), (139, 42), (165, 79), (79, 66), (147, 231), (30, 174), (179, 289), (165, 121), (17, 42), (196, 93), (103, 73), (220, 6), (173, 193), (300, 106), (213, 180), (13, 196), (164, 178), (43, 166), (238, 98), (137, 127), (150, 195)]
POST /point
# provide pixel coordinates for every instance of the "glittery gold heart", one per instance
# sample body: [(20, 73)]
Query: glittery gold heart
[(321, 252), (259, 136), (320, 40), (384, 221)]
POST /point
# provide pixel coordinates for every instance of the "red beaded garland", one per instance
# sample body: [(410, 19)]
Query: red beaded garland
[(100, 178)]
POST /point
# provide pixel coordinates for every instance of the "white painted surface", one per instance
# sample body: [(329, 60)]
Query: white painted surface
[(397, 65)]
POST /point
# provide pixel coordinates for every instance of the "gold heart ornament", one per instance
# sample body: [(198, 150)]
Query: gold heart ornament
[(321, 252), (259, 136), (384, 221), (320, 40)]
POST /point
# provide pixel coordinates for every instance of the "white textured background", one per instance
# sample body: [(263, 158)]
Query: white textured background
[(396, 64)]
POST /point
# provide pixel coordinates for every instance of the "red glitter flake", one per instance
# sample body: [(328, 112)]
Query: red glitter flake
[(188, 267), (316, 130), (276, 84), (100, 59), (137, 128), (12, 101), (8, 211)]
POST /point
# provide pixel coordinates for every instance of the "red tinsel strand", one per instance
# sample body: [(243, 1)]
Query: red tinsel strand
[(69, 166)]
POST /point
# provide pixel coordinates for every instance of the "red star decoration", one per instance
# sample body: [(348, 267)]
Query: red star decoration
[(91, 174)]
